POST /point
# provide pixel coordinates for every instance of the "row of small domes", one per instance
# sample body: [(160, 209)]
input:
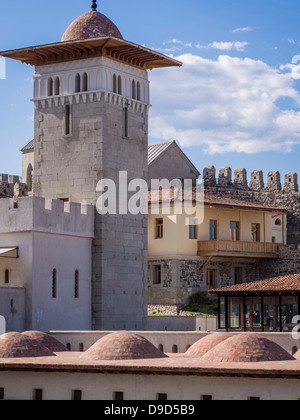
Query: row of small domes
[(124, 345)]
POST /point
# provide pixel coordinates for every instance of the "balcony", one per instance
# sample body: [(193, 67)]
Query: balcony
[(216, 248)]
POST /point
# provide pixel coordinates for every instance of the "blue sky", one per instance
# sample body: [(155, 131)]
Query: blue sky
[(235, 102)]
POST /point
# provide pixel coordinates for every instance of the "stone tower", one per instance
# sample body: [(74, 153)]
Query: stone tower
[(91, 96)]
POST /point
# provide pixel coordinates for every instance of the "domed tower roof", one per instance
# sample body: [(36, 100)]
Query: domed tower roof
[(201, 347), (247, 348), (91, 25), (16, 345), (46, 340), (123, 345)]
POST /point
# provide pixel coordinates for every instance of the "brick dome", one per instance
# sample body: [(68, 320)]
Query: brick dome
[(46, 340), (201, 347), (91, 25), (123, 345), (16, 345), (247, 348)]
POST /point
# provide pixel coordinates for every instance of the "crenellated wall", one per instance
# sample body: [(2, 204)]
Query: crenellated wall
[(276, 191), (50, 216), (239, 179), (7, 183)]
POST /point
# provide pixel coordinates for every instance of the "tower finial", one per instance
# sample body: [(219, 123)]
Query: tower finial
[(94, 5)]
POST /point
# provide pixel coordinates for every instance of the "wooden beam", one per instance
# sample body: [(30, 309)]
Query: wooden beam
[(205, 265), (227, 266), (253, 266)]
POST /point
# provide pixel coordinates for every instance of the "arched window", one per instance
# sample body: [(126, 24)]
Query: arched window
[(119, 85), (56, 86), (278, 222), (76, 285), (6, 276), (77, 83), (115, 89), (54, 283), (84, 82), (161, 348), (133, 90), (29, 177), (174, 349), (138, 91), (50, 87), (81, 347)]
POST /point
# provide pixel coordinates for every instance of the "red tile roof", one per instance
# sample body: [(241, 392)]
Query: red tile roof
[(16, 345), (70, 363), (201, 347), (211, 200), (91, 25), (244, 348), (284, 284), (46, 340), (123, 345)]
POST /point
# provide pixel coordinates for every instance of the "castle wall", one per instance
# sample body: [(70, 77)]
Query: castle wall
[(65, 254), (181, 278), (288, 263), (12, 307), (49, 237), (274, 192), (49, 216)]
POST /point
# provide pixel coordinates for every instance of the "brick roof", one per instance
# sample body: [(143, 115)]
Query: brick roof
[(201, 347), (230, 202), (211, 200), (284, 284), (16, 345), (122, 345), (91, 25), (244, 348), (71, 363), (46, 340), (297, 355)]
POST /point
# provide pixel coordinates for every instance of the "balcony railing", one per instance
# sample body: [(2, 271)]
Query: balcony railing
[(237, 249)]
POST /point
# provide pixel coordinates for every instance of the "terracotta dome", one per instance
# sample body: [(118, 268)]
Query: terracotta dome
[(247, 348), (16, 345), (46, 340), (91, 25), (201, 347), (123, 345)]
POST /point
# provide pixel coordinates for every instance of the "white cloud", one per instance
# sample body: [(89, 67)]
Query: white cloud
[(225, 105), (225, 46), (174, 45), (245, 29), (293, 42), (30, 117)]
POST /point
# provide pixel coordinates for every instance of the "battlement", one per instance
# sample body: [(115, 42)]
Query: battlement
[(48, 216), (240, 180), (9, 179)]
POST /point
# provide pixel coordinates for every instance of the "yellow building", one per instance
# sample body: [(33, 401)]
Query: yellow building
[(215, 243)]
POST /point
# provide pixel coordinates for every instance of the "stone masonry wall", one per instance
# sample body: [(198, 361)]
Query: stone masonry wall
[(181, 279), (288, 263), (70, 166), (274, 193)]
